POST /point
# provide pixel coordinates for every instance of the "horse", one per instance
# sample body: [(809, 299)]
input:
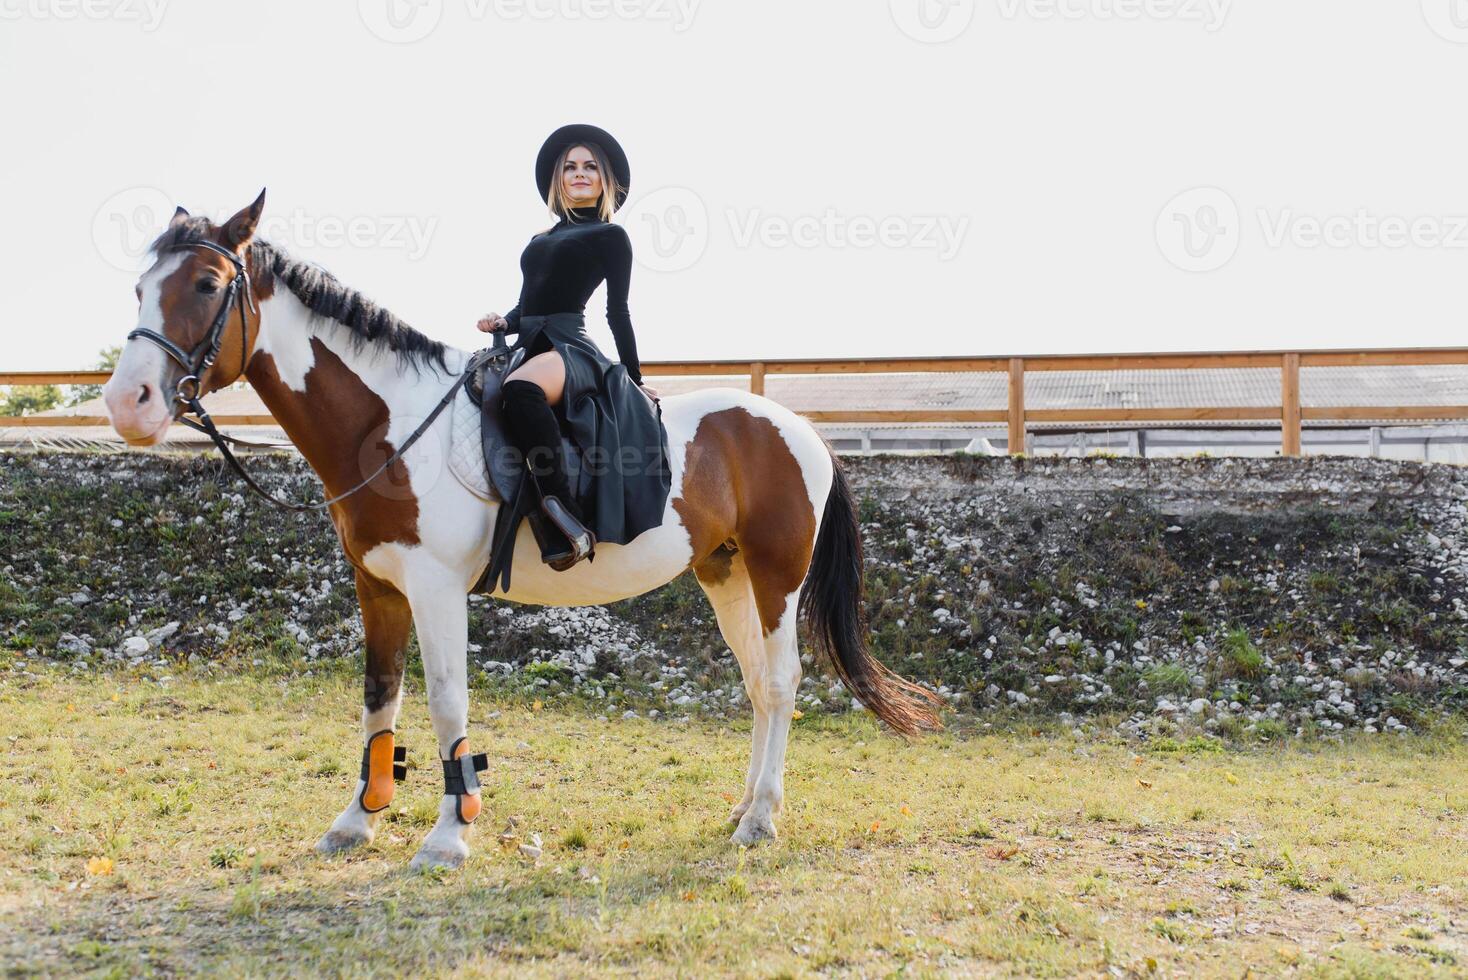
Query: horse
[(759, 508)]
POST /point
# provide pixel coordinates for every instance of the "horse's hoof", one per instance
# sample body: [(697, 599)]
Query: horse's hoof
[(751, 832), (737, 814), (341, 841), (432, 860)]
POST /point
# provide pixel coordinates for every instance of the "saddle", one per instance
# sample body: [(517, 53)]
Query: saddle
[(503, 465)]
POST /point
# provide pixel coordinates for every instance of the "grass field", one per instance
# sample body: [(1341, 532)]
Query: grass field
[(168, 828)]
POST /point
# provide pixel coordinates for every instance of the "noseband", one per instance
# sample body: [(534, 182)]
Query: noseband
[(195, 362)]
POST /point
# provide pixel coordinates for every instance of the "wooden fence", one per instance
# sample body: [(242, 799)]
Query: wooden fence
[(1290, 413)]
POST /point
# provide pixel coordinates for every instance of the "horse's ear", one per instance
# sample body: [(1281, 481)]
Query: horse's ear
[(179, 217), (241, 228)]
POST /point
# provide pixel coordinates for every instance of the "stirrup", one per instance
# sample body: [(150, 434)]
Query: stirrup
[(552, 543), (582, 539)]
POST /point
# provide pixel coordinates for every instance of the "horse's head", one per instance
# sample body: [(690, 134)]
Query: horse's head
[(198, 320)]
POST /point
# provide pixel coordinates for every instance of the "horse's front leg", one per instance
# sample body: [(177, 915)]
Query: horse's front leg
[(441, 610), (386, 622)]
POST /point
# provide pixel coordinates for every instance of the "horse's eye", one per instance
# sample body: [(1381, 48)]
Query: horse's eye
[(208, 287)]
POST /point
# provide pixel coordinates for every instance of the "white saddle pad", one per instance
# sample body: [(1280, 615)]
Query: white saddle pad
[(466, 448)]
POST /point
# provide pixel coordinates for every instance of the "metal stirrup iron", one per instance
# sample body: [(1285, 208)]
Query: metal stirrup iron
[(461, 779)]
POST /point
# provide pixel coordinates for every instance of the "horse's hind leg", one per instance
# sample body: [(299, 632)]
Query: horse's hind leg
[(775, 560), (386, 622), (726, 582), (770, 663), (778, 679)]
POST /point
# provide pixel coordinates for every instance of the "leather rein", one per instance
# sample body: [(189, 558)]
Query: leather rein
[(195, 362)]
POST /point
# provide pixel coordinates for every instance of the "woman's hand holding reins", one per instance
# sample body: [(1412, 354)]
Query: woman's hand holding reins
[(492, 322)]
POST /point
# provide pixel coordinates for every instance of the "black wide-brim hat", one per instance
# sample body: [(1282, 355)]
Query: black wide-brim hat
[(545, 161)]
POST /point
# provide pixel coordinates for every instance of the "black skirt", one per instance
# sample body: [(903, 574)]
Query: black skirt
[(620, 472)]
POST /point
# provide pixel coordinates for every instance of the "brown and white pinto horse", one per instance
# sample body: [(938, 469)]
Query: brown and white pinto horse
[(758, 508)]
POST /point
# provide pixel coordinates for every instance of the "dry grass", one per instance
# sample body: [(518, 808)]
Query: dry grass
[(1036, 854)]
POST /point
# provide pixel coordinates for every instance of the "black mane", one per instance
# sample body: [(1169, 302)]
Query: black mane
[(323, 294)]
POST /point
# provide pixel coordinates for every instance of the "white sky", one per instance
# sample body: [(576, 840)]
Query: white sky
[(1049, 139)]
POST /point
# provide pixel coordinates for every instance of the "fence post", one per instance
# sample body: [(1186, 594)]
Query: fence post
[(1289, 390), (757, 377), (1016, 406)]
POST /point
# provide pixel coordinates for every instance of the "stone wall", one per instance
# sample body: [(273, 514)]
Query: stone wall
[(1243, 598)]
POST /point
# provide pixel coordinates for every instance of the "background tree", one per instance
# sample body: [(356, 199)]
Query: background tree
[(106, 361), (27, 399)]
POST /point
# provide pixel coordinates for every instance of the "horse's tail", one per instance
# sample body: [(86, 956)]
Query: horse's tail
[(833, 605)]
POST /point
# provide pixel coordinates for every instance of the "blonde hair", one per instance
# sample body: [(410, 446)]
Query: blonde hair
[(560, 205)]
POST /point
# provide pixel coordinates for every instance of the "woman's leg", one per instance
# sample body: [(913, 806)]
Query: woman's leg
[(529, 392), (547, 371)]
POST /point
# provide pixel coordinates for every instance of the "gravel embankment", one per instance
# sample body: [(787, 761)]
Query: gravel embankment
[(1242, 598)]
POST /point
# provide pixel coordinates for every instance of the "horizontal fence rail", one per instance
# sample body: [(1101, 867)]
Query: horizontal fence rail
[(1289, 413)]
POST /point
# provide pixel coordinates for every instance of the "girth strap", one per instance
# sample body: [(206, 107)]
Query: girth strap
[(496, 573)]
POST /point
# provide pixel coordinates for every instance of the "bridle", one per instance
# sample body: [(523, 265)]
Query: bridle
[(195, 362), (198, 360)]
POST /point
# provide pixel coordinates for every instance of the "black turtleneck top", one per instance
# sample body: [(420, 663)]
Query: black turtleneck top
[(564, 265)]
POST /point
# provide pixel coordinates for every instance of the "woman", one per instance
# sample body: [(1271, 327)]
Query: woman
[(614, 420)]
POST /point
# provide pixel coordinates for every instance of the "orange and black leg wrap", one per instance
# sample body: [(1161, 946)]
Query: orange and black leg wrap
[(383, 765), (461, 779)]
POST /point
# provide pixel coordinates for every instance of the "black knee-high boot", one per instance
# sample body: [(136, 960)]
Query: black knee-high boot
[(532, 427)]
